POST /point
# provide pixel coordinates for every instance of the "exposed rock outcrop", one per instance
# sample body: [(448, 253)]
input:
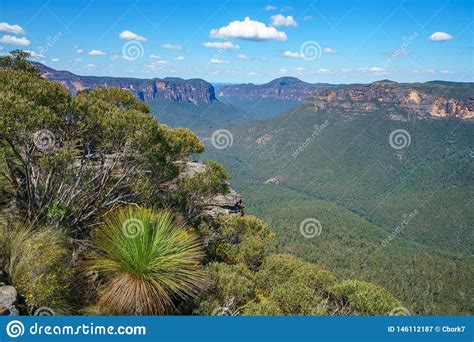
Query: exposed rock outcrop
[(8, 298), (229, 203), (174, 89), (395, 99)]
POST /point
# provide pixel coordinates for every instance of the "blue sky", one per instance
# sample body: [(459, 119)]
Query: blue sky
[(247, 41)]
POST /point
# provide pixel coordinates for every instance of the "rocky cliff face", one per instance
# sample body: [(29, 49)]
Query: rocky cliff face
[(174, 89), (398, 101), (284, 88)]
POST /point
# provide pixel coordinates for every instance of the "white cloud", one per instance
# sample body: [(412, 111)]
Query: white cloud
[(281, 20), (251, 73), (282, 71), (90, 65), (293, 54), (79, 51), (128, 35), (329, 50), (440, 37), (154, 56), (55, 60), (323, 71), (12, 40), (78, 60), (243, 57), (34, 54), (179, 58), (299, 69), (221, 45), (248, 29), (96, 53), (217, 61), (172, 46), (447, 72), (15, 29), (307, 18), (271, 8)]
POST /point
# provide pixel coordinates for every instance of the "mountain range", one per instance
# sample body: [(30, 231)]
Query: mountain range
[(386, 170)]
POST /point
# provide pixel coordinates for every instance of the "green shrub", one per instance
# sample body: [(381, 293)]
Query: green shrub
[(276, 270), (296, 299), (366, 298), (266, 307), (244, 239), (38, 264), (145, 259), (229, 284)]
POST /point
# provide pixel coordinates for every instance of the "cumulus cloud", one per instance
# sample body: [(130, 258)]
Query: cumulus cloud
[(251, 73), (179, 58), (440, 37), (96, 53), (15, 29), (329, 50), (248, 29), (55, 60), (80, 51), (12, 40), (154, 56), (217, 61), (172, 46), (221, 45), (90, 65), (271, 8), (281, 20), (128, 35), (243, 57), (323, 71), (293, 54)]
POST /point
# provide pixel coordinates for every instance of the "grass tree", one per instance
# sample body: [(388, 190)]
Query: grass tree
[(147, 261)]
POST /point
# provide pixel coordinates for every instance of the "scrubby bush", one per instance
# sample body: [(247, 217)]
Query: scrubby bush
[(231, 286), (243, 239), (38, 265), (365, 298), (145, 259)]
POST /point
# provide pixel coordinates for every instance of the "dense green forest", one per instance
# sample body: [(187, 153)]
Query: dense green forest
[(401, 218)]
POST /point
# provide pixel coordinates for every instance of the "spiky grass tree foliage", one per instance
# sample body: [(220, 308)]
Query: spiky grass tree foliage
[(147, 259)]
